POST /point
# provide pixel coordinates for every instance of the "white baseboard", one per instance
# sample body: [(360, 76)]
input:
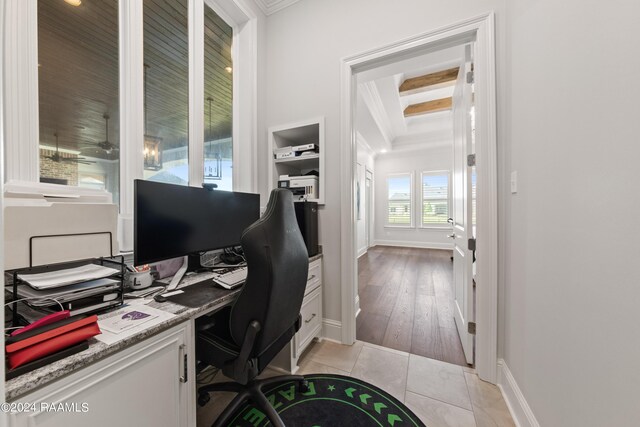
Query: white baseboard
[(357, 308), (361, 252), (410, 244), (332, 330), (520, 410)]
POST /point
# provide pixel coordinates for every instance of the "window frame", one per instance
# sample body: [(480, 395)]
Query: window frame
[(421, 206), (21, 103), (411, 224)]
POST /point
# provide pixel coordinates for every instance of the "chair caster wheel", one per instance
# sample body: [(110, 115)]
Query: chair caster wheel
[(203, 399), (303, 386)]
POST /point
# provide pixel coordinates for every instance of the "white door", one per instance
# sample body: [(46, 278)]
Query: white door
[(461, 204)]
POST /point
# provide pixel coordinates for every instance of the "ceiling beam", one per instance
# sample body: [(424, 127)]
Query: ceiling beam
[(427, 81), (434, 106)]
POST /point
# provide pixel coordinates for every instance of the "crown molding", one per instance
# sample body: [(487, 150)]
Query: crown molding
[(372, 99), (270, 7)]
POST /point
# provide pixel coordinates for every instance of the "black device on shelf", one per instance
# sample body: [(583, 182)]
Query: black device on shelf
[(307, 216), (174, 220)]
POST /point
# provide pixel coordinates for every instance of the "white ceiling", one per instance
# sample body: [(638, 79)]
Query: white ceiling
[(380, 119)]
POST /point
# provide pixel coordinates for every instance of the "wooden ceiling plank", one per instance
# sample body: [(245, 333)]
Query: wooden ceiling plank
[(427, 81), (434, 106)]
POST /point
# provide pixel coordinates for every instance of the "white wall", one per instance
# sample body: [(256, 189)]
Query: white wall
[(305, 43), (365, 162), (570, 260), (415, 161)]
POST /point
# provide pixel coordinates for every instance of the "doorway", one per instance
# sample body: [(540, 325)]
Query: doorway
[(480, 30)]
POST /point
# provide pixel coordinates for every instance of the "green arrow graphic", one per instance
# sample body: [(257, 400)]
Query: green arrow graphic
[(392, 418), (379, 406), (364, 397), (349, 391)]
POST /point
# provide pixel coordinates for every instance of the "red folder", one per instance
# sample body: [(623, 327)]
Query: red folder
[(50, 340)]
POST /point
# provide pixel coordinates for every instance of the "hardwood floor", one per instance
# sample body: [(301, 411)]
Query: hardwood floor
[(406, 302)]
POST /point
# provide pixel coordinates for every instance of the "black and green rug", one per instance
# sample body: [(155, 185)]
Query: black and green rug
[(332, 400)]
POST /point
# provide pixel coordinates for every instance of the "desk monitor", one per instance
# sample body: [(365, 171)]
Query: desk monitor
[(173, 220)]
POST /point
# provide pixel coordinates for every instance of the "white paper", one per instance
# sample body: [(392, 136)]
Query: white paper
[(129, 320), (53, 279)]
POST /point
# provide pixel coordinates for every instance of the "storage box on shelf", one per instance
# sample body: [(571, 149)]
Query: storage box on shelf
[(297, 150)]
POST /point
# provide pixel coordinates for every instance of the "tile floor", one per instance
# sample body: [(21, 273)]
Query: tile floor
[(441, 394)]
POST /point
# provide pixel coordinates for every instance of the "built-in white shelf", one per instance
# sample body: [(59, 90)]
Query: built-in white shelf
[(304, 132)]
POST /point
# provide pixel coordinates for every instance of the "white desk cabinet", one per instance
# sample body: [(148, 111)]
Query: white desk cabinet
[(143, 385), (311, 327)]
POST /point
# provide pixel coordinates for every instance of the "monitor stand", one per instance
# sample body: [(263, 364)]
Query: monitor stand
[(189, 263), (175, 281)]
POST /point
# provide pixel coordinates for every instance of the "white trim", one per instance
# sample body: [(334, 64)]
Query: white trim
[(480, 28), (131, 114), (371, 97), (2, 158), (357, 307), (410, 244), (361, 252), (487, 201), (520, 410), (332, 330), (270, 7), (20, 62), (196, 93)]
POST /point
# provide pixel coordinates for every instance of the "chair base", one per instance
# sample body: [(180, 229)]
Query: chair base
[(251, 392)]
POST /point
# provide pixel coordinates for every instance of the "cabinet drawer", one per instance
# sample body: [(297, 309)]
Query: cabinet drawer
[(311, 312), (314, 279)]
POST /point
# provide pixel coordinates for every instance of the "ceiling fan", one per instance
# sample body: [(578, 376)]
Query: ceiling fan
[(56, 157), (106, 145)]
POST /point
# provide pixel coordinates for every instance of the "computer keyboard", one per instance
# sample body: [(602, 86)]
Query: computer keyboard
[(232, 278)]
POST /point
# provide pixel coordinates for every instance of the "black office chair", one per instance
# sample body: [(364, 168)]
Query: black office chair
[(243, 339)]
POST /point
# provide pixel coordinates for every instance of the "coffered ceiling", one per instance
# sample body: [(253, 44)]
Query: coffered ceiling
[(407, 103)]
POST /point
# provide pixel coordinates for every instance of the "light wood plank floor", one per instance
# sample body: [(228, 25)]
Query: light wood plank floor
[(406, 302)]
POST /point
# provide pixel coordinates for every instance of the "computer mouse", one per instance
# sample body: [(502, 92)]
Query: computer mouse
[(160, 298)]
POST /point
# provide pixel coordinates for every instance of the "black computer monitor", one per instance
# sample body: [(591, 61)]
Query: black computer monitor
[(170, 221)]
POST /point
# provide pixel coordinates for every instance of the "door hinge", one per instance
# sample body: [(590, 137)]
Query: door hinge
[(471, 160), (471, 328), (470, 77), (472, 244)]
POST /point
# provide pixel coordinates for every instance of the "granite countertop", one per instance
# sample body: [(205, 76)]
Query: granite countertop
[(98, 350)]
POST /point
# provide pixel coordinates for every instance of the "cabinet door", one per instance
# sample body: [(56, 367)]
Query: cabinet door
[(140, 386)]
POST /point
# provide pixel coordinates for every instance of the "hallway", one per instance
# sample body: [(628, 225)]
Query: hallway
[(406, 302)]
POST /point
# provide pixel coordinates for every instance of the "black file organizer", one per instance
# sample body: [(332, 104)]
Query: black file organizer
[(111, 261)]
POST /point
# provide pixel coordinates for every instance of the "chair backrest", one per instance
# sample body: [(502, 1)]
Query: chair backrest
[(278, 265)]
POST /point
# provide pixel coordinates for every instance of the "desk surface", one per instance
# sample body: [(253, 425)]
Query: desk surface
[(98, 350)]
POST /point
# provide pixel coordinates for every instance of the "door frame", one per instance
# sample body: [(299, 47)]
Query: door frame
[(482, 30)]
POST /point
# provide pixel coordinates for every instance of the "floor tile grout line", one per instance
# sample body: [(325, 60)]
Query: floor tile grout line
[(473, 407), (440, 400)]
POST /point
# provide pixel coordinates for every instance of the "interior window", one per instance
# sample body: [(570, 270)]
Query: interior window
[(78, 94), (166, 91), (218, 108)]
